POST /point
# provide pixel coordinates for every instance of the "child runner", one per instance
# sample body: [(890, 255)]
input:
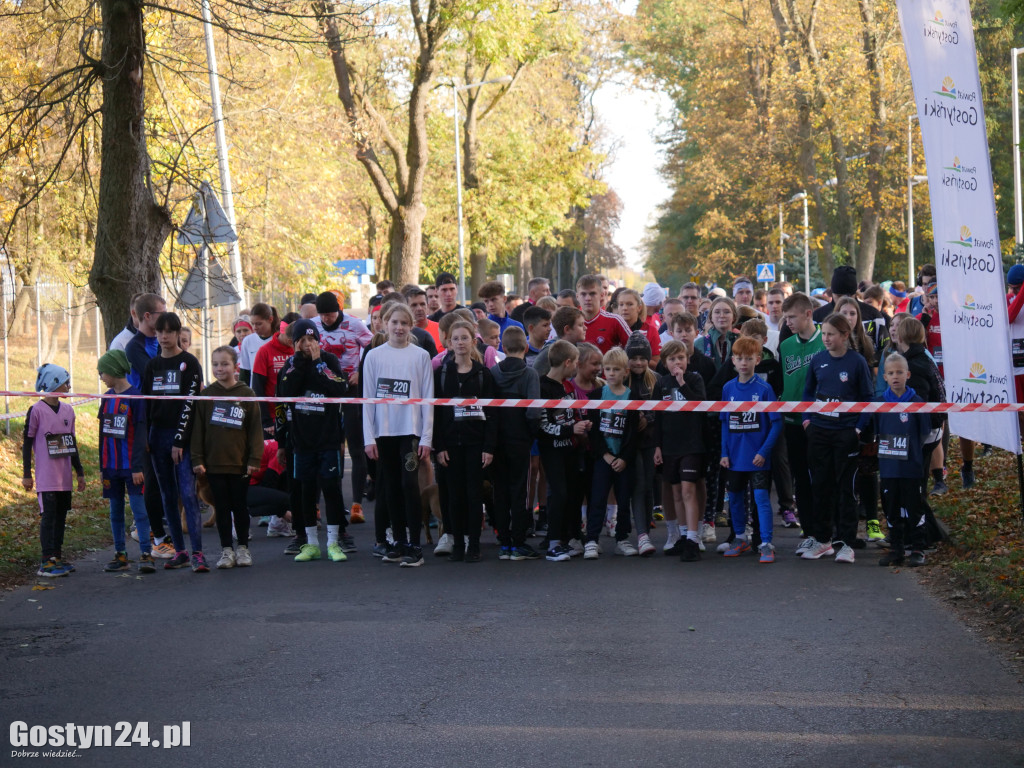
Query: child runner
[(123, 458), (265, 323), (315, 436), (50, 434), (465, 438), (833, 443), (174, 372), (613, 435), (513, 378), (559, 430), (227, 444), (396, 435), (682, 446), (747, 442), (901, 439), (643, 385)]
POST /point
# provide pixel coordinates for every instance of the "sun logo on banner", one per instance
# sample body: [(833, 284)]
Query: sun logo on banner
[(977, 374), (965, 237), (948, 88), (969, 302), (956, 164), (938, 20)]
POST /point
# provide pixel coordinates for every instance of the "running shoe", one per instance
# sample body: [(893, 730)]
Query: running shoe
[(444, 545), (355, 515), (51, 569), (670, 542), (576, 546), (590, 551), (874, 531), (264, 521), (335, 553), (393, 555), (164, 550), (789, 519), (845, 554), (119, 563), (807, 544), (707, 533), (473, 553), (180, 560), (558, 553), (505, 553), (644, 545), (625, 548), (279, 528), (379, 550), (347, 543), (916, 559), (658, 513), (819, 550), (227, 558), (767, 553), (307, 553), (739, 546), (294, 546), (525, 552), (939, 488), (690, 552), (243, 557), (413, 557), (146, 563), (967, 477), (199, 563)]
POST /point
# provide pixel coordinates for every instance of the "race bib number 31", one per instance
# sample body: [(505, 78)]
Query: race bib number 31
[(393, 389)]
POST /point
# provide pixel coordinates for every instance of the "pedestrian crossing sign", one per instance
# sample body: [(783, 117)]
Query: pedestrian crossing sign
[(766, 273)]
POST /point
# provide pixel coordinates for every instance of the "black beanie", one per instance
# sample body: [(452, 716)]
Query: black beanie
[(844, 282), (327, 302), (638, 346)]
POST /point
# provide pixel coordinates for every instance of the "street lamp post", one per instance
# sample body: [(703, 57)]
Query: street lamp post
[(911, 181), (458, 172), (807, 246)]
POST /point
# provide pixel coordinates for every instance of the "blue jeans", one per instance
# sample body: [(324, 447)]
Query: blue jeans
[(138, 506), (175, 479), (606, 478)]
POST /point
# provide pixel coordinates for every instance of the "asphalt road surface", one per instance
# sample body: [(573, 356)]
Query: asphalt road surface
[(616, 662)]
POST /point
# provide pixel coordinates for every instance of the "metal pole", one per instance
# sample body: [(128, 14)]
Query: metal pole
[(807, 248), (71, 359), (1018, 209), (782, 239), (39, 327), (204, 269), (458, 195), (222, 154), (7, 366)]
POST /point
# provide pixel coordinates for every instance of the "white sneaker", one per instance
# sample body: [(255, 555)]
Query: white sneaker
[(707, 533), (809, 543), (591, 551), (625, 548), (577, 547), (135, 533), (645, 547), (725, 546), (227, 558), (673, 537), (701, 547), (819, 550), (243, 557), (445, 544), (279, 528), (845, 554)]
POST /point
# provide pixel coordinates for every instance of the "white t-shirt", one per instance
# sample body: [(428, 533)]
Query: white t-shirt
[(398, 373), (248, 348), (121, 340)]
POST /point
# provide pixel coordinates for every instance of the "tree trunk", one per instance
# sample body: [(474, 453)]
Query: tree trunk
[(524, 269), (407, 242), (131, 228)]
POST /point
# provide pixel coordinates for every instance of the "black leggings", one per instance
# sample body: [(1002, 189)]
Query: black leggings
[(334, 513), (509, 472), (53, 515), (230, 494), (465, 497), (267, 502), (354, 437), (399, 474), (563, 470), (154, 501)]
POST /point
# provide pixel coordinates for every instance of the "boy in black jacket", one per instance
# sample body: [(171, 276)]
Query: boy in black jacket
[(559, 453), (315, 434), (901, 464), (517, 428)]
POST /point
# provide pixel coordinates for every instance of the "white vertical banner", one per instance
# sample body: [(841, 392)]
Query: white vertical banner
[(939, 40)]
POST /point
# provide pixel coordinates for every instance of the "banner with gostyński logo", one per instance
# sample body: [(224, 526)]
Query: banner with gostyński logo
[(975, 356)]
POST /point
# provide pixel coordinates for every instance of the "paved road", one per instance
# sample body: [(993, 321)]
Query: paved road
[(615, 662)]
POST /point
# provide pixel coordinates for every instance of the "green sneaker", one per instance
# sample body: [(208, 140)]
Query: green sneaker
[(335, 553), (119, 563), (875, 531), (307, 553)]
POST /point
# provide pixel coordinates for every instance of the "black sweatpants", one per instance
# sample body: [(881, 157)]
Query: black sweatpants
[(53, 517), (154, 501), (267, 502), (509, 472), (357, 453), (465, 497), (230, 502), (834, 455), (796, 446), (901, 500), (563, 470), (399, 473)]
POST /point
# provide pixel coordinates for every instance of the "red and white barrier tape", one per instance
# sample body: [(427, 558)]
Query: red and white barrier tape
[(21, 414), (674, 406)]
